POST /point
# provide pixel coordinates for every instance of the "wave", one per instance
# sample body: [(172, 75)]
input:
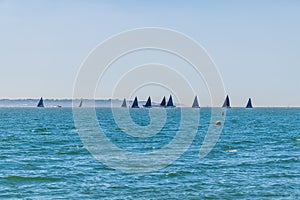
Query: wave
[(31, 178)]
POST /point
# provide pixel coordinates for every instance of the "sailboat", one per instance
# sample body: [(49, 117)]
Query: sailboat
[(148, 103), (170, 102), (80, 104), (135, 103), (124, 105), (163, 102), (249, 104), (195, 103), (226, 103), (41, 103)]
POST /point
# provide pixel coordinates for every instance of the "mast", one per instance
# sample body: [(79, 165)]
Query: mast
[(195, 103), (124, 105), (226, 103), (148, 103), (135, 103), (249, 104), (41, 103)]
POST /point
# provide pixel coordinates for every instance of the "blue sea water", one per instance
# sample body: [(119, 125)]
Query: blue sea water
[(256, 157)]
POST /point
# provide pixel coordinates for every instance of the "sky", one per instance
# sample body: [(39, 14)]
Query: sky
[(254, 44)]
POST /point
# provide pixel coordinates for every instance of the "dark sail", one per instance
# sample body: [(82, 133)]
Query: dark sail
[(226, 103), (80, 104), (148, 103), (163, 102), (195, 103), (135, 103), (41, 103), (170, 102), (124, 105), (249, 104)]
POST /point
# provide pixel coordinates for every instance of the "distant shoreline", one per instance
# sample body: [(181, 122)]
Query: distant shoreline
[(32, 102)]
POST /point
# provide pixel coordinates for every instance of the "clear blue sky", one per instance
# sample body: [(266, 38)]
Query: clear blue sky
[(255, 44)]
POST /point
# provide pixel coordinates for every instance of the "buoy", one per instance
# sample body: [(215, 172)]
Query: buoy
[(218, 123)]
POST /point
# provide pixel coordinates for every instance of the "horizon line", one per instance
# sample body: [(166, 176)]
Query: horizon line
[(117, 99)]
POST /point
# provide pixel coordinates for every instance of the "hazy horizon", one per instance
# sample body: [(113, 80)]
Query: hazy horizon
[(115, 103)]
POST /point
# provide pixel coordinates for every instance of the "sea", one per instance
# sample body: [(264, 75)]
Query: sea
[(257, 156)]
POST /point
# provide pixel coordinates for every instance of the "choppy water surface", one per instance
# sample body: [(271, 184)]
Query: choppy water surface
[(257, 157)]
